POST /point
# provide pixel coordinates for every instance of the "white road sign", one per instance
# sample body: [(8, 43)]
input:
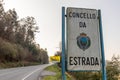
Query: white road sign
[(83, 40)]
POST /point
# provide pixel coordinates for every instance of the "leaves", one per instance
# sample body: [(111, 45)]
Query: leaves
[(113, 70), (17, 38)]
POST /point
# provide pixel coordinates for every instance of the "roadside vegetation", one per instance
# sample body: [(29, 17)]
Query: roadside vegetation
[(55, 68), (112, 70), (17, 40)]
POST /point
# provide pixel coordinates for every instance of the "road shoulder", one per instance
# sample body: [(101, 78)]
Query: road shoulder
[(46, 73)]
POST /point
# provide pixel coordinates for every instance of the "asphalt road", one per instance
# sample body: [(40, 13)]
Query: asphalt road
[(22, 73)]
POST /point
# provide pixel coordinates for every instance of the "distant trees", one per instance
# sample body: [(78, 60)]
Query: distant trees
[(44, 57), (17, 38)]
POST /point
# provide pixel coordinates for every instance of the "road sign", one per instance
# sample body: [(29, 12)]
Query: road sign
[(83, 40), (55, 58)]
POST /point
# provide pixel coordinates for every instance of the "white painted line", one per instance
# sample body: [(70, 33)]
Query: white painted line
[(35, 71), (30, 74)]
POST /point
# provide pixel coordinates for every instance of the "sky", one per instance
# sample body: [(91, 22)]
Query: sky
[(48, 17)]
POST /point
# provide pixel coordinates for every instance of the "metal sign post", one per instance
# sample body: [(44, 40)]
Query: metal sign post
[(63, 43), (85, 47), (104, 77)]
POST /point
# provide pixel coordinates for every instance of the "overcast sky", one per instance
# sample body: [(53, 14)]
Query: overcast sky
[(48, 17)]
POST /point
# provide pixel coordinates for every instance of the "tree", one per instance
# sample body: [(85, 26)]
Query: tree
[(113, 71), (44, 56), (17, 38), (10, 24), (2, 19), (27, 29), (113, 68)]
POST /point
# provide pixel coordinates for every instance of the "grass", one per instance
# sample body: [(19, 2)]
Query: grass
[(57, 70)]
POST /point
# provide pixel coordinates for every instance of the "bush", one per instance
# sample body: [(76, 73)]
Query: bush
[(7, 50), (10, 52)]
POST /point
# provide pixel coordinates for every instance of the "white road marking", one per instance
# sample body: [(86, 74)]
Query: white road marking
[(30, 74)]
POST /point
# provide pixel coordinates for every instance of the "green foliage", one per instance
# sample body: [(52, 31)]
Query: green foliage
[(113, 68), (113, 71), (11, 52), (57, 70), (7, 50), (44, 56), (17, 38), (22, 53), (86, 75), (53, 68)]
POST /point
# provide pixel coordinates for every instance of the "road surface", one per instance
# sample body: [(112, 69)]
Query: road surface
[(22, 73)]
